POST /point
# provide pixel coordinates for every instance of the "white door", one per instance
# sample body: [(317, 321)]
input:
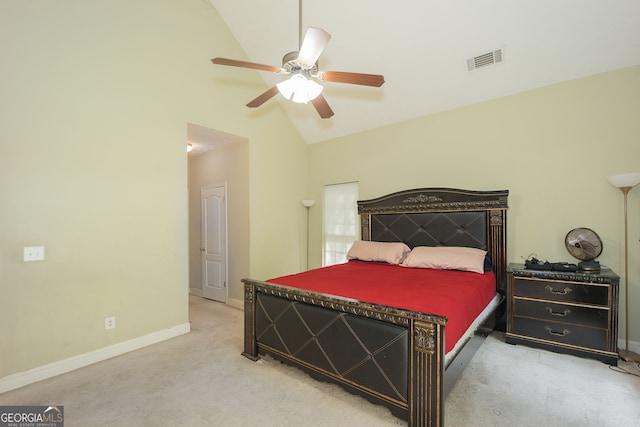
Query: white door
[(214, 242)]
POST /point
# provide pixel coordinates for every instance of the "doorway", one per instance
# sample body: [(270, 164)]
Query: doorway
[(219, 159), (213, 200)]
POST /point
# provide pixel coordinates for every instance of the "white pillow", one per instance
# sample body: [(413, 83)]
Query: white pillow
[(391, 252), (446, 258)]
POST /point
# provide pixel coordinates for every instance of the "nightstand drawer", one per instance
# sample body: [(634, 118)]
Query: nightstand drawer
[(562, 333), (561, 291), (554, 312)]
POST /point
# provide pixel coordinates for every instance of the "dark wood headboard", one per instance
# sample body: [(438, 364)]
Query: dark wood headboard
[(441, 217)]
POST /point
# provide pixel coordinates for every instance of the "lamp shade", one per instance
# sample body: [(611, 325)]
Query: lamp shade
[(299, 89), (625, 180), (308, 203)]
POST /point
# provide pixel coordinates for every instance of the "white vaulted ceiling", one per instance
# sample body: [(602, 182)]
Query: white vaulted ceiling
[(422, 46)]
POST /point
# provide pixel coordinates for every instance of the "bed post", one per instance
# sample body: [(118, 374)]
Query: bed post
[(365, 227), (426, 399), (497, 242), (250, 344)]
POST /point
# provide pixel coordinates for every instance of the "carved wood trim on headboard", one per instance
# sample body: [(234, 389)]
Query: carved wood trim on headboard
[(435, 200)]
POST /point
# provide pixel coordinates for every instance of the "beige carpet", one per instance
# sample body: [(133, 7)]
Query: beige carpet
[(200, 379)]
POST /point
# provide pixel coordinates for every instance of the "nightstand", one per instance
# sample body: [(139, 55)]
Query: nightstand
[(574, 313)]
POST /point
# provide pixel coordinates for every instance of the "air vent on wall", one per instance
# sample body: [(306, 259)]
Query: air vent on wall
[(486, 59)]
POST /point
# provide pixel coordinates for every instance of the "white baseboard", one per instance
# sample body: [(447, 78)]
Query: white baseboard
[(236, 303), (633, 345), (21, 379), (231, 302), (195, 291)]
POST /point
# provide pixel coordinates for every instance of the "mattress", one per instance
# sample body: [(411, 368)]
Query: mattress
[(457, 295)]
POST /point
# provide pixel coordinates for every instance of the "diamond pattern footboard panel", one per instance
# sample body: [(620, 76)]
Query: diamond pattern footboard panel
[(364, 351)]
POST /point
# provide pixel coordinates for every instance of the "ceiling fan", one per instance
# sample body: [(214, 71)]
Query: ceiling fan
[(302, 66)]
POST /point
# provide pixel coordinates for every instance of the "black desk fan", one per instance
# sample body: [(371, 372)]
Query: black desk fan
[(585, 245)]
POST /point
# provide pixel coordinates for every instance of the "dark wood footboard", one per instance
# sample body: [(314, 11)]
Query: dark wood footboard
[(389, 356)]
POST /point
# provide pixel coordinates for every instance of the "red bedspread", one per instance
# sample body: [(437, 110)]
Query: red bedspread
[(460, 296)]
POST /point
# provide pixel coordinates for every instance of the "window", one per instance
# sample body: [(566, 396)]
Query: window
[(340, 221)]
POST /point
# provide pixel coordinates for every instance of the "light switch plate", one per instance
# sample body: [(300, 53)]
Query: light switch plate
[(33, 253)]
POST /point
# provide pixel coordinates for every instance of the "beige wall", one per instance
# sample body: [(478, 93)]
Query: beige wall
[(553, 148), (96, 98), (279, 183)]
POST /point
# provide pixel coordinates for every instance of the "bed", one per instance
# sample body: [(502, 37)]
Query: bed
[(395, 355)]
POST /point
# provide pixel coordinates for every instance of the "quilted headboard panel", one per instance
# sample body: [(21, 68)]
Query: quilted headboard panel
[(441, 217), (432, 229)]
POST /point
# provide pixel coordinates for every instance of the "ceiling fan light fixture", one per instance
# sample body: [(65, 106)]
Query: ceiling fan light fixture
[(299, 89)]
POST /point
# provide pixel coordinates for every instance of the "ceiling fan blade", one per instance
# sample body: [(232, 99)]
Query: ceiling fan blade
[(353, 78), (315, 40), (245, 64), (264, 97), (322, 107)]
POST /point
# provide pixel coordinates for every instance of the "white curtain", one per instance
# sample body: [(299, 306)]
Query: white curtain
[(340, 221)]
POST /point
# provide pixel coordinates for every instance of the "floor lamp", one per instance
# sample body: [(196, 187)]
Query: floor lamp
[(307, 204), (625, 182)]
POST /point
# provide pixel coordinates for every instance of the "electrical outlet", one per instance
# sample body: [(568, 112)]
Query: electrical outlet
[(109, 322)]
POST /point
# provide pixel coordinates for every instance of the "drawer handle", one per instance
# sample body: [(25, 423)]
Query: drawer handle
[(564, 332), (557, 313), (565, 291)]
